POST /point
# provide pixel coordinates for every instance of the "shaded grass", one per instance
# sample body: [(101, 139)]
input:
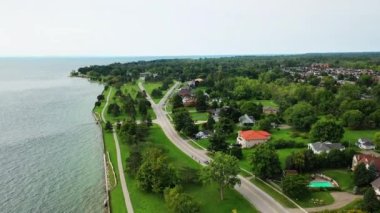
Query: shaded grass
[(268, 103), (284, 153), (199, 116), (354, 205), (323, 196)]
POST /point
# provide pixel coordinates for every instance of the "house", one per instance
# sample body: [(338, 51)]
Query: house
[(202, 135), (250, 138), (270, 110), (246, 120), (183, 92), (320, 147), (367, 160), (366, 144), (376, 186), (189, 101), (215, 113)]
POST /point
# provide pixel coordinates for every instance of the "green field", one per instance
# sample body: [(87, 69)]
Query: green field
[(284, 153), (323, 196), (150, 86), (352, 136), (199, 116)]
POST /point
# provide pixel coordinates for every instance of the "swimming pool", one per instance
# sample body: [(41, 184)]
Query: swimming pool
[(320, 184)]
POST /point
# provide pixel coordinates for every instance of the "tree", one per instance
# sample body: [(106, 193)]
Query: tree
[(177, 101), (134, 161), (98, 103), (201, 104), (301, 116), (377, 140), (295, 186), (155, 172), (353, 119), (114, 109), (210, 122), (370, 201), (108, 126), (100, 97), (218, 143), (252, 109), (362, 176), (265, 162), (179, 202), (236, 150), (265, 124), (223, 170), (326, 130), (156, 93), (183, 122), (225, 125)]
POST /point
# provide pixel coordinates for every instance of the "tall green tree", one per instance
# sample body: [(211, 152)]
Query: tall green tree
[(218, 142), (362, 176), (326, 130), (223, 170), (201, 104), (295, 186), (370, 201), (353, 119), (301, 116), (265, 162), (155, 172), (179, 202), (177, 101)]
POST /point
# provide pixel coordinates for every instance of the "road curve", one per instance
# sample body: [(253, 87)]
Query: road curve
[(127, 198), (262, 201)]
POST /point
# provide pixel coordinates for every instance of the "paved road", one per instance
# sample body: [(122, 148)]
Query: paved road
[(258, 198), (127, 198)]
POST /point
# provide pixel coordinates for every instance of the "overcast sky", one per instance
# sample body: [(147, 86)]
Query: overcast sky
[(191, 27)]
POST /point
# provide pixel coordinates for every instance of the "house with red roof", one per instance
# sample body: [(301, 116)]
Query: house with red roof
[(367, 160), (251, 138)]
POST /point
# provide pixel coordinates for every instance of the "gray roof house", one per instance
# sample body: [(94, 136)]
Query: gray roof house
[(366, 144), (246, 120), (320, 147), (376, 186)]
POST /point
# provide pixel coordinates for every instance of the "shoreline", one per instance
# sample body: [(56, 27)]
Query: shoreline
[(106, 202)]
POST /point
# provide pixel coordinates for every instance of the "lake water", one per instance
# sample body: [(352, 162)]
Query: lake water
[(51, 150)]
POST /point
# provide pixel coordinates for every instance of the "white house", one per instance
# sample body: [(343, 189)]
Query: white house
[(376, 186), (250, 138), (366, 144), (320, 147)]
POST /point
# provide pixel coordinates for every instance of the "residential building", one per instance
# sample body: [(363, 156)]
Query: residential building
[(250, 138), (366, 144), (376, 186), (270, 110), (320, 147), (246, 120), (367, 160)]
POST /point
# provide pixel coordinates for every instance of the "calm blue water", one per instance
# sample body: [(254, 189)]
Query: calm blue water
[(50, 148)]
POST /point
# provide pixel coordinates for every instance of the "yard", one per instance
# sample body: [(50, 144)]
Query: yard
[(352, 136), (150, 86), (342, 176), (284, 153)]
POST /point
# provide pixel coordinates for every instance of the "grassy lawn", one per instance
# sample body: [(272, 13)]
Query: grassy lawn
[(277, 196), (343, 177), (352, 136), (289, 134), (116, 194), (150, 86), (323, 196), (199, 116), (284, 153)]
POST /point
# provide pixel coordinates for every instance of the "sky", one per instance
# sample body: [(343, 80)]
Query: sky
[(187, 27)]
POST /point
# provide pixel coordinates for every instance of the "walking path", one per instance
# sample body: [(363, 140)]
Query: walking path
[(262, 201), (341, 200), (127, 198)]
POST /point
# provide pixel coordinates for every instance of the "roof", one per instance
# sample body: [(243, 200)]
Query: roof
[(254, 135), (368, 159), (326, 146), (184, 92), (376, 183), (365, 140), (245, 119)]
